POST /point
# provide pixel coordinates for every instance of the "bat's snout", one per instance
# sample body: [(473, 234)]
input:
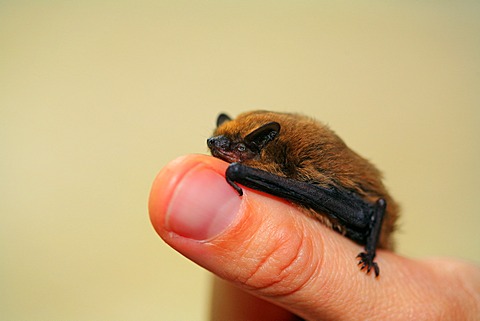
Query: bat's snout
[(218, 142)]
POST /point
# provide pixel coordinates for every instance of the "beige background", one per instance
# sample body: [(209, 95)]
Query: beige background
[(97, 96)]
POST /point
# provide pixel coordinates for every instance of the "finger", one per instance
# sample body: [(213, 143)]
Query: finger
[(270, 248)]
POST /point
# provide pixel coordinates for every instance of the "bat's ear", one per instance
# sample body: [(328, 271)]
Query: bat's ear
[(222, 118), (261, 136)]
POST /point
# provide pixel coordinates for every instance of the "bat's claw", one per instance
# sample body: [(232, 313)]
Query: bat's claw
[(366, 261), (235, 186), (231, 174)]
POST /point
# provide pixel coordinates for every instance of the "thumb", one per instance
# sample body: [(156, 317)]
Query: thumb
[(262, 244)]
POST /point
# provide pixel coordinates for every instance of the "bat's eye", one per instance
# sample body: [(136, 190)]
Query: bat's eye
[(241, 147)]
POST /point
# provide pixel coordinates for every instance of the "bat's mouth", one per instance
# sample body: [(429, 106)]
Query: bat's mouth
[(220, 147), (228, 157)]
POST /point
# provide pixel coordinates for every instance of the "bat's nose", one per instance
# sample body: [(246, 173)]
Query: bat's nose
[(211, 142), (218, 142)]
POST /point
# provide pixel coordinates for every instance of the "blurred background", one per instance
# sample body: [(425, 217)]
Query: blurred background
[(97, 96)]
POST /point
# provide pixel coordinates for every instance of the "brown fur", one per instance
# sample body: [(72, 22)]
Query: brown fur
[(309, 151)]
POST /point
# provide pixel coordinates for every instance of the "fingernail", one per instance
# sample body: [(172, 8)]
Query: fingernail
[(203, 205)]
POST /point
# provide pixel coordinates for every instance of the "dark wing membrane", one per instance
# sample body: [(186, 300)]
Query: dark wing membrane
[(345, 207)]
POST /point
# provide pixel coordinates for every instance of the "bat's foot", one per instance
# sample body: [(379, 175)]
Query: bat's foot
[(366, 261)]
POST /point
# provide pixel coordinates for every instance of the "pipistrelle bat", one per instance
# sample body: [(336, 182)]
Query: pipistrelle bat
[(299, 159)]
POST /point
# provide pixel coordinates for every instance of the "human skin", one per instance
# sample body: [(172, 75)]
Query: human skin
[(273, 262)]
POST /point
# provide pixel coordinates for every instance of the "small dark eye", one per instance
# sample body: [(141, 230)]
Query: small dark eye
[(241, 147)]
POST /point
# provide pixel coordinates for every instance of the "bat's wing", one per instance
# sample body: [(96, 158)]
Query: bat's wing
[(361, 219), (343, 206)]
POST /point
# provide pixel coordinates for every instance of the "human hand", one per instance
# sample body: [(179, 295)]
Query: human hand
[(276, 262)]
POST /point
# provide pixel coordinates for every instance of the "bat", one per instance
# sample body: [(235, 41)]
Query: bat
[(301, 160)]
